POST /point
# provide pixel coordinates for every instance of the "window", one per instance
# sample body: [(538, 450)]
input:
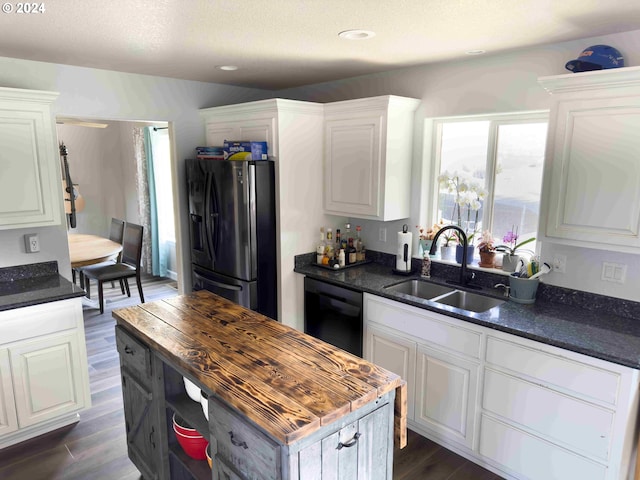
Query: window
[(492, 167)]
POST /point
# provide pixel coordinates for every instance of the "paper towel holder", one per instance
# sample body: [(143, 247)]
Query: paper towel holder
[(406, 256)]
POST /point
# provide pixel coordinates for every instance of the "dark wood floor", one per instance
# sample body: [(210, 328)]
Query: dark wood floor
[(95, 448)]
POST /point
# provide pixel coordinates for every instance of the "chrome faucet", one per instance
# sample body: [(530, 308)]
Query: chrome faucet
[(502, 285), (464, 278)]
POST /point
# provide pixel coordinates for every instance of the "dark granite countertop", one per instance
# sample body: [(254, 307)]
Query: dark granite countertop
[(25, 285), (608, 329)]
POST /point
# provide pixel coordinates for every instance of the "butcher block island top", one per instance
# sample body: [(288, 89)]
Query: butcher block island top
[(287, 383)]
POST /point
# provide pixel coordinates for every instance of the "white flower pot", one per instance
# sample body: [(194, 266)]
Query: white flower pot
[(448, 253), (510, 262)]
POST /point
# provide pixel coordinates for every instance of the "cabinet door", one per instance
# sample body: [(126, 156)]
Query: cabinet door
[(394, 353), (595, 172), (29, 181), (446, 389), (47, 377), (352, 168), (222, 471), (359, 451), (8, 419), (259, 129), (142, 435)]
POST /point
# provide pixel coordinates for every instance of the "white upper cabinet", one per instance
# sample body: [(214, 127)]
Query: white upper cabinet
[(368, 153), (592, 170), (30, 194), (253, 121)]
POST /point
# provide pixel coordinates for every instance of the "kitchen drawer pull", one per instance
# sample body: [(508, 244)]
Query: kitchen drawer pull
[(128, 350), (237, 443), (151, 439), (350, 443)]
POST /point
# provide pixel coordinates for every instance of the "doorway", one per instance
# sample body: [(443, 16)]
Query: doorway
[(102, 159)]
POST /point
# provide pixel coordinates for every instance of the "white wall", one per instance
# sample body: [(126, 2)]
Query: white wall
[(95, 165), (93, 93), (480, 85)]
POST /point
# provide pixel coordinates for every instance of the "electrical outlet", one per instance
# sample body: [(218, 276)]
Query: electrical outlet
[(559, 263), (382, 234), (32, 243)]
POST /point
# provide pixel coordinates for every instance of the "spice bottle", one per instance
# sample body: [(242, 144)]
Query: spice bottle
[(320, 247), (426, 266), (359, 245), (351, 252)]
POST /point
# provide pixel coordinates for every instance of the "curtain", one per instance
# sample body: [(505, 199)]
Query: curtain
[(155, 198), (144, 202)]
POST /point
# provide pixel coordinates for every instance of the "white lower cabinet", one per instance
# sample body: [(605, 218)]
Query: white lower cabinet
[(446, 388), (529, 456), (47, 377), (395, 353), (43, 369), (520, 408), (438, 359), (8, 418)]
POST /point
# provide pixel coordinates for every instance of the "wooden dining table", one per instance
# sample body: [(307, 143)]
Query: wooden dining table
[(85, 249)]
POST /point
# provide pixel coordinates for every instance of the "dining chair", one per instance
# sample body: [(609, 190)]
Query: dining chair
[(128, 267), (116, 232)]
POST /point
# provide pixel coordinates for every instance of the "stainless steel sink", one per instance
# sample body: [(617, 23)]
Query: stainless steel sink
[(420, 289), (471, 302)]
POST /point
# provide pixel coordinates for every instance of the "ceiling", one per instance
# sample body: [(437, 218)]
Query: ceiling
[(285, 43)]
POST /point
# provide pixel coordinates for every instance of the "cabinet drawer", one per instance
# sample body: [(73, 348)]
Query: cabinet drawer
[(248, 450), (39, 320), (577, 424), (532, 457), (224, 471), (566, 374), (133, 353), (422, 324)]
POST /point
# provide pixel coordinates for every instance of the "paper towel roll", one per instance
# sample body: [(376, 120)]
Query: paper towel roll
[(404, 239)]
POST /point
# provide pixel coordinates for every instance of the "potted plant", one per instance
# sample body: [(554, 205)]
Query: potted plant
[(426, 236), (487, 250), (448, 246), (468, 196), (510, 259)]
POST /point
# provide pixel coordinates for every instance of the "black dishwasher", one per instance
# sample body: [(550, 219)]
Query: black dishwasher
[(333, 314)]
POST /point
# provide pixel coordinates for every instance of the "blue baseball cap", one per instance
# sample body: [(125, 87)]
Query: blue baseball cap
[(596, 57)]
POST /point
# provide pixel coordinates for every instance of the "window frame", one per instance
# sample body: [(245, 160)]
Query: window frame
[(495, 121)]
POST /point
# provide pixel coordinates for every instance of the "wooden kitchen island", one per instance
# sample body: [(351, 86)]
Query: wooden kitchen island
[(282, 404)]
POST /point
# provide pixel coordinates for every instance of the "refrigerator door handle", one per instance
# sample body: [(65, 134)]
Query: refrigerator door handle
[(208, 217), (226, 286)]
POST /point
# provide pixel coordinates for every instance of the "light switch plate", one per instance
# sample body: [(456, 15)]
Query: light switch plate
[(614, 272)]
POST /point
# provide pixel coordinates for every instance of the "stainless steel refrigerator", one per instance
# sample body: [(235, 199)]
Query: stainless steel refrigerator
[(232, 223)]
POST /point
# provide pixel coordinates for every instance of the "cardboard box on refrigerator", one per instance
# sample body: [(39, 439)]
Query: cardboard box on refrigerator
[(234, 150)]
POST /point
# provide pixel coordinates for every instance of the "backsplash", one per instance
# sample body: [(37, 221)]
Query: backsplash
[(546, 293), (23, 272)]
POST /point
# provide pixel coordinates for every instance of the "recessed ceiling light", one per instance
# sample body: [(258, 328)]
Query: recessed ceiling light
[(475, 52), (227, 68), (357, 34)]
